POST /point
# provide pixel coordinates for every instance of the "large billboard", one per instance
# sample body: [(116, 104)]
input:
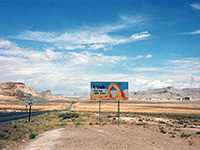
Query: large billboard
[(109, 91)]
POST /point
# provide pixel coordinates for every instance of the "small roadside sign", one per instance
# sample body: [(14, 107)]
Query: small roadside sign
[(30, 103)]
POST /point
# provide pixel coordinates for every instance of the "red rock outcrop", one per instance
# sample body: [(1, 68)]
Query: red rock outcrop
[(20, 91)]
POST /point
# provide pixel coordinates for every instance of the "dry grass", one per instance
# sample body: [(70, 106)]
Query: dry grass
[(36, 107), (140, 108), (22, 129)]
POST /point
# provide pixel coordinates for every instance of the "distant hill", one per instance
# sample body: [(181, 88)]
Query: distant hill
[(20, 91), (168, 93), (161, 94)]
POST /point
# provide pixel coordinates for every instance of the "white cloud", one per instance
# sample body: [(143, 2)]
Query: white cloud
[(97, 46), (170, 81), (81, 39), (70, 47), (37, 36), (156, 84), (148, 56), (132, 19), (148, 69), (186, 61), (11, 49), (195, 32), (141, 35), (51, 55), (88, 58), (186, 65), (6, 44), (108, 28), (139, 57), (196, 6), (92, 38), (68, 71), (180, 73), (190, 65), (59, 71), (140, 81)]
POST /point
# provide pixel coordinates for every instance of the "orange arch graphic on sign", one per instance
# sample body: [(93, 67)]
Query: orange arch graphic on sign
[(120, 93)]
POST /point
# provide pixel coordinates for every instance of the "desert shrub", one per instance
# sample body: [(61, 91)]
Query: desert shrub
[(4, 136), (162, 130), (63, 124), (7, 131), (198, 132), (183, 135), (141, 124), (173, 136), (180, 122), (17, 136), (171, 133), (32, 136), (68, 115), (177, 129), (162, 122), (77, 124)]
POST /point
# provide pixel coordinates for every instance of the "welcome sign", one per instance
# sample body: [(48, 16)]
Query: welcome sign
[(109, 91)]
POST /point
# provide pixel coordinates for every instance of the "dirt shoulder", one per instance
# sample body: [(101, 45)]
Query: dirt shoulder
[(110, 137)]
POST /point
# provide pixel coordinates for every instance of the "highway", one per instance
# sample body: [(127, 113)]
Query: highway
[(8, 117)]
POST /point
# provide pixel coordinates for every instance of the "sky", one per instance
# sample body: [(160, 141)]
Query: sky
[(64, 45)]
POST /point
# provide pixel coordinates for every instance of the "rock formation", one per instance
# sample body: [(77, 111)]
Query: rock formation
[(58, 96), (20, 91), (168, 93)]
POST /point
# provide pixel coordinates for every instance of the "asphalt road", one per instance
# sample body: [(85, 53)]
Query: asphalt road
[(9, 117)]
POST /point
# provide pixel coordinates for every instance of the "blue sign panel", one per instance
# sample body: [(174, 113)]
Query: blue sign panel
[(109, 91)]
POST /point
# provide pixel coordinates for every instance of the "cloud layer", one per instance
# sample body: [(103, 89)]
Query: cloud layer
[(90, 38), (68, 61), (65, 72)]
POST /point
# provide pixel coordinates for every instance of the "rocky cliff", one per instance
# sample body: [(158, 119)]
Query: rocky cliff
[(168, 93), (20, 91)]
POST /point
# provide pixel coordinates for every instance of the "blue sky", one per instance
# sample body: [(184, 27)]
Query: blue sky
[(64, 45)]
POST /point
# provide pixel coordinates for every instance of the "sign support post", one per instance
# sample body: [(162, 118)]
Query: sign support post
[(118, 113), (99, 112), (30, 103), (29, 116)]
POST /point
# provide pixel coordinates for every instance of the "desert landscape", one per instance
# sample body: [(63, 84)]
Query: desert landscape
[(99, 75), (143, 124)]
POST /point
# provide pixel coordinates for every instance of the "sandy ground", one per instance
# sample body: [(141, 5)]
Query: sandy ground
[(108, 137)]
